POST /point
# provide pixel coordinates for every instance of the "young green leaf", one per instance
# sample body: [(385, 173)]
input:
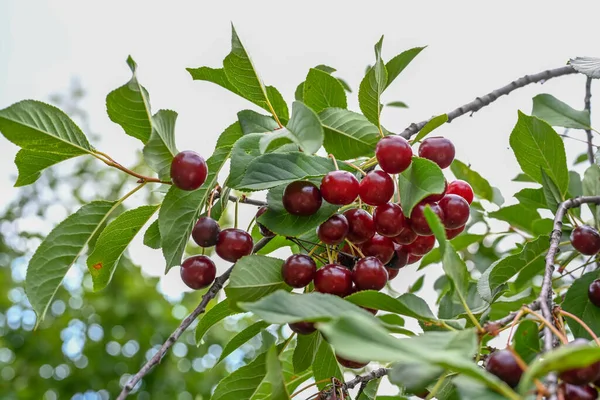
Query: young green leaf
[(430, 126), (306, 351), (481, 187), (242, 338), (397, 104), (372, 86), (254, 277), (129, 106), (160, 149), (274, 376), (113, 241), (551, 192), (397, 64), (557, 113), (532, 198), (253, 122), (326, 366), (419, 180), (152, 236), (577, 303), (348, 134), (216, 314), (321, 91)]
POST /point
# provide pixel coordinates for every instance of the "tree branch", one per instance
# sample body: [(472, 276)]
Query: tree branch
[(211, 294), (378, 373), (588, 107), (481, 102)]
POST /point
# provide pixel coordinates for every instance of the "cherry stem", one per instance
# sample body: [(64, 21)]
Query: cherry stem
[(355, 247), (296, 393), (548, 324), (237, 208), (356, 167), (106, 159), (512, 326), (580, 322), (250, 224), (210, 201), (334, 162), (329, 254), (540, 387)]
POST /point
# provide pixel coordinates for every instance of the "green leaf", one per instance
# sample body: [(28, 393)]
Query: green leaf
[(397, 64), (557, 113), (180, 208), (214, 75), (536, 145), (275, 169), (160, 149), (113, 241), (275, 377), (430, 126), (326, 366), (414, 376), (244, 151), (306, 351), (469, 388), (591, 185), (321, 91), (31, 163), (421, 179), (481, 187), (129, 106), (59, 251), (398, 104), (348, 134), (254, 277), (371, 88), (152, 236), (243, 382), (369, 391), (577, 303), (242, 338), (253, 122), (532, 198), (526, 341), (518, 216), (551, 192), (417, 285), (211, 317), (304, 130), (492, 281), (407, 304), (460, 242)]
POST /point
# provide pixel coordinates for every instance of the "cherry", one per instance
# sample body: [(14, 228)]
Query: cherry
[(369, 274), (594, 292), (361, 224), (418, 222), (393, 154), (461, 188), (432, 198), (302, 327), (298, 270), (334, 230), (421, 246), (198, 272), (456, 211), (345, 257), (439, 150), (575, 392), (392, 273), (389, 220), (503, 364), (350, 364), (302, 198), (234, 244), (339, 187), (586, 240), (206, 232), (263, 229), (188, 170), (334, 279), (376, 188), (452, 233), (583, 375), (413, 258), (406, 235), (380, 247), (399, 259)]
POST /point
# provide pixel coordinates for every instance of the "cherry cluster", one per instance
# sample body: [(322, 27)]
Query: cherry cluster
[(576, 383)]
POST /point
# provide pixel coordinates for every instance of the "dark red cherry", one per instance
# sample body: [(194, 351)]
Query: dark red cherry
[(380, 247), (346, 257), (188, 170), (376, 188), (456, 211), (334, 279), (586, 240), (503, 364), (594, 292), (361, 225), (432, 198), (413, 258), (392, 273), (350, 364), (263, 229), (574, 392), (198, 272), (418, 222), (406, 235), (334, 230), (369, 274), (302, 327), (234, 244), (389, 220), (302, 198), (439, 150), (583, 375), (461, 188), (452, 233), (339, 187), (206, 232), (421, 246), (399, 259), (298, 270), (393, 154)]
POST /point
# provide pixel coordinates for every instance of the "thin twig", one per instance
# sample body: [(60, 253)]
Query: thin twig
[(376, 374), (588, 108), (211, 294)]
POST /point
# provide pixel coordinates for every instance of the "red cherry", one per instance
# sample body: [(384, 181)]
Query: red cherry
[(439, 150), (586, 240), (345, 257), (198, 272), (361, 225), (234, 244), (206, 232), (574, 392), (452, 233), (461, 188), (406, 236), (334, 279), (399, 259), (504, 365), (302, 198), (188, 170), (376, 188), (334, 230), (350, 364), (421, 246), (389, 220), (369, 274), (263, 229), (380, 247), (413, 258), (302, 327), (455, 210), (594, 292), (339, 187), (393, 154), (298, 270), (392, 273), (418, 222), (432, 198)]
